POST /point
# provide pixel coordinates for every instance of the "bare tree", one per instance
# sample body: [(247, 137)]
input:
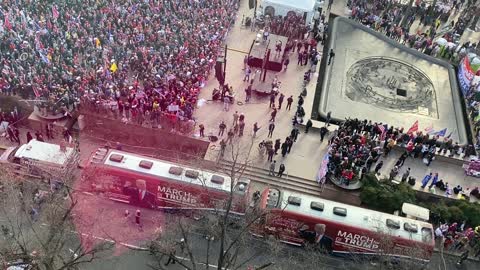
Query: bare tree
[(224, 238), (37, 225)]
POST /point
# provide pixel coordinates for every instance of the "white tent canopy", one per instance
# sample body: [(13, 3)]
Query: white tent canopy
[(282, 7)]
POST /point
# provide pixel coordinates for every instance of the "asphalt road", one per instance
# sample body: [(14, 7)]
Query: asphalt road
[(122, 257)]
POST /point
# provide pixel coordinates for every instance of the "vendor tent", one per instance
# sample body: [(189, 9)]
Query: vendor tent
[(282, 7)]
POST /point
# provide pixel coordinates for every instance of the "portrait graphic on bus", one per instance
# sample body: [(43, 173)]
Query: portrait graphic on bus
[(138, 194), (316, 237)]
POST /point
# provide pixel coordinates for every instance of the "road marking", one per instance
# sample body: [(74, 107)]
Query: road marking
[(104, 239), (201, 263)]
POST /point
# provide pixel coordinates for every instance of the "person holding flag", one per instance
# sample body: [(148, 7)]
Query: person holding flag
[(113, 66), (413, 128)]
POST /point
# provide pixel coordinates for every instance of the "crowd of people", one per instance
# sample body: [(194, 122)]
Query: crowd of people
[(136, 59), (358, 145), (457, 237), (396, 23)]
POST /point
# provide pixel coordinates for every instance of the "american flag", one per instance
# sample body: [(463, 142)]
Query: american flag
[(322, 172), (55, 13), (383, 130)]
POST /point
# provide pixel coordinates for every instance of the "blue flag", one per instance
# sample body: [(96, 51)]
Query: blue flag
[(441, 133), (44, 58)]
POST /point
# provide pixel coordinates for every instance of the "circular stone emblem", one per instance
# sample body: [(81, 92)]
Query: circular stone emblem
[(392, 85)]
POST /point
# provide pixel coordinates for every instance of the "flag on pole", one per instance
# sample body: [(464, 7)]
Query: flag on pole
[(450, 134), (414, 128), (55, 13), (44, 58), (35, 91), (113, 67), (7, 23), (441, 133), (383, 129), (322, 172), (429, 129)]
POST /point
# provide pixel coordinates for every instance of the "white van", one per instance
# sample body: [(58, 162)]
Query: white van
[(40, 159)]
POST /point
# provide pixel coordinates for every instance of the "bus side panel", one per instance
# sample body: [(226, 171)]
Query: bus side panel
[(341, 238)]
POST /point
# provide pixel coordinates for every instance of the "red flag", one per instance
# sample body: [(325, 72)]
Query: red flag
[(55, 13), (35, 91), (413, 128), (7, 23)]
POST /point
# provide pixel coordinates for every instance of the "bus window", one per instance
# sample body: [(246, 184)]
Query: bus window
[(409, 227), (427, 234), (175, 170), (340, 211), (273, 198), (191, 174), (294, 200), (393, 224), (145, 164), (217, 179), (317, 206), (116, 158)]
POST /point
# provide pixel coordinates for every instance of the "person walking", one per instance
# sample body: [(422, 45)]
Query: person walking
[(280, 100), (393, 173), (379, 166), (289, 144), (221, 128), (330, 55), (248, 71), (230, 135), (241, 127), (223, 146), (271, 127), (255, 129), (273, 114), (272, 168), (308, 125), (294, 134), (248, 93), (226, 103), (289, 103), (284, 148), (235, 118), (137, 218), (285, 63), (202, 130), (277, 145), (271, 152), (330, 2), (323, 132), (434, 180), (272, 100), (281, 170), (405, 175)]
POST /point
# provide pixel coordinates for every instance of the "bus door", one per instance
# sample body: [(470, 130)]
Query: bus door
[(269, 199)]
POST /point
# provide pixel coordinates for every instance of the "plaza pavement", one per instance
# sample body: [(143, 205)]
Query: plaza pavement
[(307, 153)]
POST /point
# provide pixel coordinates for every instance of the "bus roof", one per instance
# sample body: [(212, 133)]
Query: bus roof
[(415, 211), (44, 152), (354, 216), (162, 169)]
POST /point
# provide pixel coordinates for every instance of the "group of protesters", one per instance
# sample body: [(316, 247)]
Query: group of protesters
[(458, 237), (357, 146), (396, 22), (136, 59)]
